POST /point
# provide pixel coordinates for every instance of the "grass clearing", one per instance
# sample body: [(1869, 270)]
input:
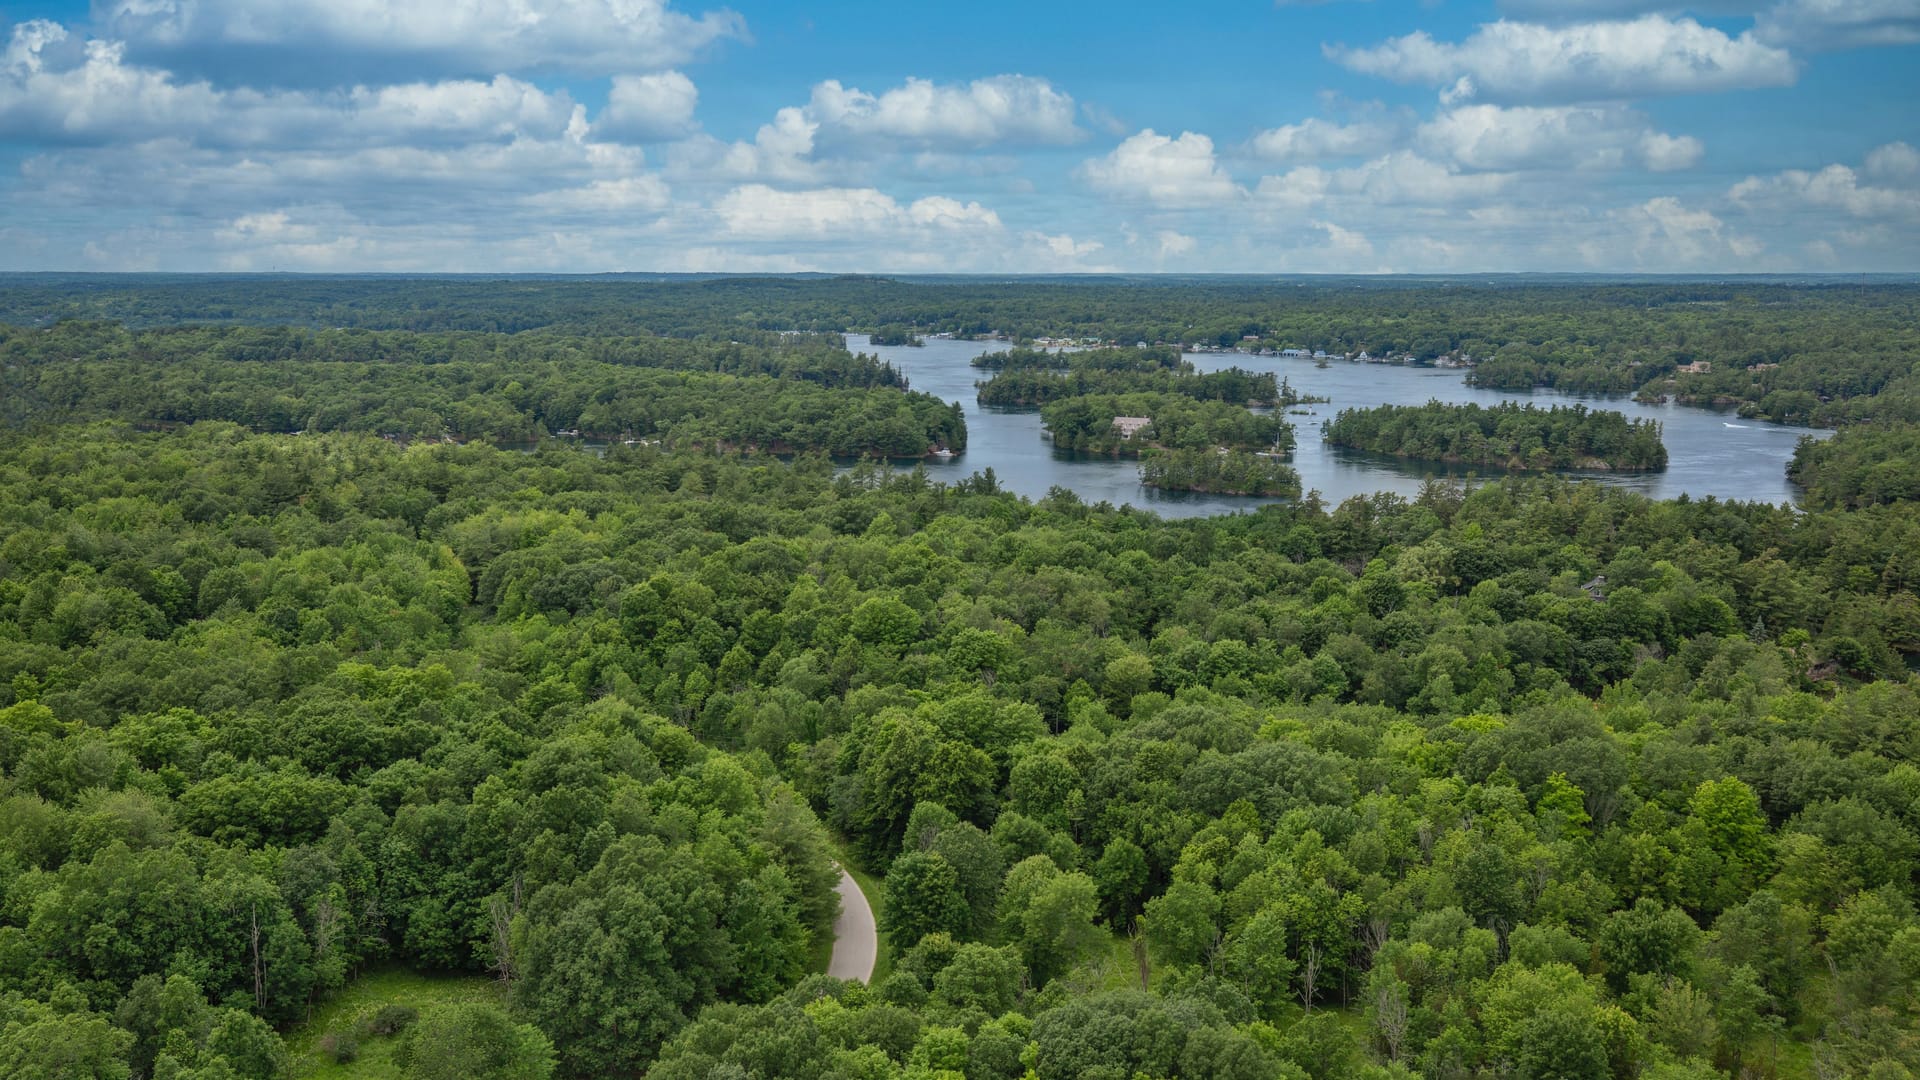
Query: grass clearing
[(362, 998)]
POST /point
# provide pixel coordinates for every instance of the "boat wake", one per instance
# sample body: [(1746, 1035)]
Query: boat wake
[(1742, 427)]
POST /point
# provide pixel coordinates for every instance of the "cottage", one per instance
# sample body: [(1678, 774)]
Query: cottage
[(1698, 367), (1128, 426)]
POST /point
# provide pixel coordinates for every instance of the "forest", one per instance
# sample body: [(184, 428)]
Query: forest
[(1025, 379), (1825, 351), (1235, 472), (1086, 425), (1533, 779), (1509, 435), (776, 393)]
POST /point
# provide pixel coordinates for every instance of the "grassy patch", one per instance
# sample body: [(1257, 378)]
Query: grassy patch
[(360, 1000), (1117, 968)]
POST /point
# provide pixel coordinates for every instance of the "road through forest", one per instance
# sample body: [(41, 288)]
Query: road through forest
[(856, 940)]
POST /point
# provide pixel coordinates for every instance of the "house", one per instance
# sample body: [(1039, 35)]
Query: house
[(1597, 588), (1130, 425), (1698, 367)]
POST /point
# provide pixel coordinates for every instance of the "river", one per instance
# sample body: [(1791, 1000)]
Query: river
[(1710, 452)]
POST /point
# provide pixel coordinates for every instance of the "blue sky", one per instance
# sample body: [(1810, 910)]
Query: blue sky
[(990, 136)]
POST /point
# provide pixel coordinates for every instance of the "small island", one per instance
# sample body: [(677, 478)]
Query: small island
[(895, 334), (1233, 472), (1135, 425), (1508, 435)]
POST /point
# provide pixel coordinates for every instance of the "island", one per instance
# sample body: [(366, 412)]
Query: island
[(1134, 425), (895, 335), (1219, 472), (1507, 435)]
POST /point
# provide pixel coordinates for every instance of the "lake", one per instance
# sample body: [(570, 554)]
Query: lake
[(1709, 451)]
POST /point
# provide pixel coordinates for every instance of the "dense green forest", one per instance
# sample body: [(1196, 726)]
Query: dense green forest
[(1828, 352), (773, 393), (1086, 424), (1026, 379), (1537, 779), (1860, 466), (1509, 435), (1236, 472)]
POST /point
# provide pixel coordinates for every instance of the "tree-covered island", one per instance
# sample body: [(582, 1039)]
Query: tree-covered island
[(1507, 435)]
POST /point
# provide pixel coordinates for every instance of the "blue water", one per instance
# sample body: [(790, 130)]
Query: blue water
[(1710, 452)]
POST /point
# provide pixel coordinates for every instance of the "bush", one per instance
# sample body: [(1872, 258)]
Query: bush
[(390, 1020), (341, 1046)]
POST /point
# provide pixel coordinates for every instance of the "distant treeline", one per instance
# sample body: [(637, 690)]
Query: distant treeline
[(1821, 353), (1508, 435), (771, 393)]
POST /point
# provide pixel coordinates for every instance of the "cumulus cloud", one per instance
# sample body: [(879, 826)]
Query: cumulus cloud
[(1554, 137), (1167, 171), (1887, 188), (645, 193), (999, 109), (646, 108), (841, 128), (1839, 24), (49, 94), (1400, 178), (474, 37), (1666, 233), (1314, 139), (1650, 55), (1171, 244), (759, 212), (1896, 162)]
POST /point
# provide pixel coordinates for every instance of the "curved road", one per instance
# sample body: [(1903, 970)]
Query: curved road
[(856, 941)]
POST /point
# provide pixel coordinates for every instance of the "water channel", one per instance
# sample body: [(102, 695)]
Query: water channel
[(1710, 452)]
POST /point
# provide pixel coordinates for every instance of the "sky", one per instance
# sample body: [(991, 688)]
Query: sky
[(1044, 136)]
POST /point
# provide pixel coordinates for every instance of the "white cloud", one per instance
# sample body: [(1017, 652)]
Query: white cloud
[(1891, 191), (1400, 178), (1580, 10), (755, 211), (459, 36), (1642, 57), (1174, 172), (999, 109), (1555, 138), (1666, 234), (1839, 24), (1172, 244), (1895, 162), (1661, 152), (840, 129), (1062, 247), (630, 194), (47, 94), (1314, 139), (645, 108)]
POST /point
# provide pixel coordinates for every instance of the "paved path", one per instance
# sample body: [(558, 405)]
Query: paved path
[(856, 941)]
